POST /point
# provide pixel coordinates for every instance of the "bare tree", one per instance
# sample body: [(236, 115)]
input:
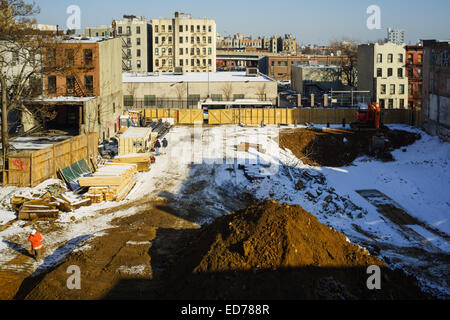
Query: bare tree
[(262, 92), (349, 49), (23, 62), (227, 91)]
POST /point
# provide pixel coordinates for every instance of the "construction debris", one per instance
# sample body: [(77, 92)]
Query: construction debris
[(142, 160)]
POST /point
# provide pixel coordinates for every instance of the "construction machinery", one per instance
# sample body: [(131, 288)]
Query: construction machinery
[(369, 118)]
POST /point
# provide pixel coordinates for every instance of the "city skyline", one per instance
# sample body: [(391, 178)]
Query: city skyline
[(334, 20)]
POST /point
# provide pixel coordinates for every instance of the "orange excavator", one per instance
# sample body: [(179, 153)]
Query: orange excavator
[(370, 120)]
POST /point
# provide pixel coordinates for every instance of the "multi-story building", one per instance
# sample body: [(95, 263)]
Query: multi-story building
[(136, 38), (183, 42), (395, 36), (414, 68), (436, 88), (102, 31), (88, 96), (381, 70)]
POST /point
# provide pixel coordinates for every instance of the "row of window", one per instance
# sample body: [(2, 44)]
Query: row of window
[(399, 72), (184, 51), (392, 89), (152, 100), (194, 62), (69, 56), (411, 58), (390, 58), (70, 85), (128, 29), (198, 28), (138, 41), (390, 103), (203, 40)]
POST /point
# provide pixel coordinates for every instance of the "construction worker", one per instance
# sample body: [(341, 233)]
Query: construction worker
[(36, 243), (165, 144), (157, 147)]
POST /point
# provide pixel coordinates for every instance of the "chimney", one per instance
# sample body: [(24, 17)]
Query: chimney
[(177, 14)]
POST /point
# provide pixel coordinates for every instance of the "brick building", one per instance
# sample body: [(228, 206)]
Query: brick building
[(414, 68)]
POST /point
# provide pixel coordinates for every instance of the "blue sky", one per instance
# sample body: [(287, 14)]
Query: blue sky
[(310, 21)]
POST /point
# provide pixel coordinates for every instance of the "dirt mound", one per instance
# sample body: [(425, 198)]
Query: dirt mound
[(339, 148), (274, 251)]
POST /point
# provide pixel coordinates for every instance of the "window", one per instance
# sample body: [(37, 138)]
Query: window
[(120, 30), (204, 28), (400, 72), (181, 51), (70, 56), (156, 29), (391, 103), (382, 104), (192, 51), (163, 28), (138, 64), (389, 72), (238, 96), (128, 100), (88, 57), (192, 28), (170, 39), (138, 41), (402, 103), (149, 100), (204, 51), (138, 53), (400, 57), (209, 62), (70, 85), (163, 62), (410, 89), (51, 88), (198, 39), (180, 28), (410, 58), (181, 62), (392, 89), (216, 97), (410, 73), (170, 28), (390, 58), (379, 72), (379, 58), (157, 63), (89, 84), (383, 89), (129, 41), (198, 28), (156, 40), (209, 29), (181, 39), (138, 30), (209, 51), (402, 89), (128, 30), (419, 72), (209, 40), (192, 39), (420, 57), (170, 51), (156, 51)]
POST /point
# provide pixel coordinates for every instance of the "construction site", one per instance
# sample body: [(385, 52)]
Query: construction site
[(272, 208)]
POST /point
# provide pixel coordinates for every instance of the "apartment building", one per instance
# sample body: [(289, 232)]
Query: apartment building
[(396, 36), (436, 88), (183, 42), (381, 70), (88, 97), (102, 31), (414, 70), (135, 33)]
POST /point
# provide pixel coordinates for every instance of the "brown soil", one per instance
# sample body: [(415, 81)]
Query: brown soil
[(267, 251), (329, 148)]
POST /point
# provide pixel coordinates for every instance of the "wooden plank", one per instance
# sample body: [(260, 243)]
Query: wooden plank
[(100, 181)]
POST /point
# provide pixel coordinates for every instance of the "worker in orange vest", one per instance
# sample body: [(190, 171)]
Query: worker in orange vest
[(36, 243)]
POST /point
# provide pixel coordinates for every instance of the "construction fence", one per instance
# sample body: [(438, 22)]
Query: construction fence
[(277, 116), (30, 168)]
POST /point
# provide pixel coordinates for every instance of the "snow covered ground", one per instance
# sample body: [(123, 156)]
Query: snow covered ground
[(201, 176)]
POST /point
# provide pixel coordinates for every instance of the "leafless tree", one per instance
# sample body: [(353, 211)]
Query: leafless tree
[(262, 92), (23, 62), (227, 91), (348, 49)]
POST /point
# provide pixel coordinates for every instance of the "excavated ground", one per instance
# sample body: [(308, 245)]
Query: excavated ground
[(338, 148), (267, 251)]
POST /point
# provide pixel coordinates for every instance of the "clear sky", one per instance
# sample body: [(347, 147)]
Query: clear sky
[(315, 22)]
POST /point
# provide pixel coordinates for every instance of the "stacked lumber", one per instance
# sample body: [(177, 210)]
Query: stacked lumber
[(142, 161), (245, 147), (112, 182), (45, 206)]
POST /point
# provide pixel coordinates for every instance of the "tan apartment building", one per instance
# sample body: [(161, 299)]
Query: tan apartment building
[(88, 97), (135, 33), (183, 42), (382, 70)]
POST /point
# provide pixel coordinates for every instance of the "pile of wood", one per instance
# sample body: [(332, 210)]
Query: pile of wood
[(141, 160), (45, 206), (112, 182), (245, 147)]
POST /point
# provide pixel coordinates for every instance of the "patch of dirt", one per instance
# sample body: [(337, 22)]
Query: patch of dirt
[(337, 148), (274, 251), (267, 251)]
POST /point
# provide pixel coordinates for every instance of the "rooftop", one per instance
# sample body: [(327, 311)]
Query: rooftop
[(194, 77)]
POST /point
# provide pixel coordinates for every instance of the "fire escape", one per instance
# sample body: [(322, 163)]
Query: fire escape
[(126, 56)]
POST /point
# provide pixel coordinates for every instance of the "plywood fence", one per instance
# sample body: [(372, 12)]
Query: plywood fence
[(30, 168), (279, 116)]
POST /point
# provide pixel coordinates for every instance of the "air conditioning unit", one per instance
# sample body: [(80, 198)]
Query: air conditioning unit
[(178, 71), (252, 72)]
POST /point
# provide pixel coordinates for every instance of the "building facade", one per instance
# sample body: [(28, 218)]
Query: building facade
[(102, 31), (135, 33), (414, 71), (436, 88), (88, 97), (396, 36), (183, 42), (381, 70)]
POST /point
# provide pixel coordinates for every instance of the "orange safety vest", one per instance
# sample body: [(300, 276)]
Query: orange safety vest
[(36, 241)]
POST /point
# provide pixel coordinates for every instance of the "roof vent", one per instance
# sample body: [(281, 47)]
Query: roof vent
[(178, 71), (252, 72)]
